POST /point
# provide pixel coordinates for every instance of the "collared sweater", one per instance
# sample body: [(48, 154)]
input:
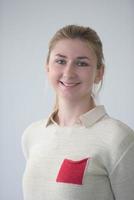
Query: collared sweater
[(90, 160)]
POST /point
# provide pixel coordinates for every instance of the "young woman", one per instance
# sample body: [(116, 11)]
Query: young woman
[(79, 152)]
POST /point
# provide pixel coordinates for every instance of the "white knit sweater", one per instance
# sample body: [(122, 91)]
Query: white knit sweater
[(91, 160)]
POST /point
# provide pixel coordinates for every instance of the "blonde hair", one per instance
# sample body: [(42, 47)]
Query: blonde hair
[(85, 34)]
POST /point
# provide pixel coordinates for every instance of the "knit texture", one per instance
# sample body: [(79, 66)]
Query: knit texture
[(92, 160)]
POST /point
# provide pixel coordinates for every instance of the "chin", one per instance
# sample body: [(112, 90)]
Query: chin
[(71, 97)]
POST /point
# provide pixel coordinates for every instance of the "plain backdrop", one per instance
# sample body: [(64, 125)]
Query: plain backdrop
[(26, 27)]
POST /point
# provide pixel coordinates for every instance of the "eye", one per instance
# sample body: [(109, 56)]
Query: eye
[(82, 63), (61, 61)]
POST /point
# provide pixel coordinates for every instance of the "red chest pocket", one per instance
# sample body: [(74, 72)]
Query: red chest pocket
[(72, 171)]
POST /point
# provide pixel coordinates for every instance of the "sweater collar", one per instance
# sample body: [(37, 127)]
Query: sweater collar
[(87, 119)]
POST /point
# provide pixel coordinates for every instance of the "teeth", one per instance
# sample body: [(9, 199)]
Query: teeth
[(69, 84)]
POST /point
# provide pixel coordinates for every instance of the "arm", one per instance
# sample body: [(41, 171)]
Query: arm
[(122, 176)]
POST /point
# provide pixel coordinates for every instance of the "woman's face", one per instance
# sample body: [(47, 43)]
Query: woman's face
[(72, 69)]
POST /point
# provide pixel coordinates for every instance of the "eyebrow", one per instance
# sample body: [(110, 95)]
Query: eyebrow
[(61, 55), (79, 57), (83, 57)]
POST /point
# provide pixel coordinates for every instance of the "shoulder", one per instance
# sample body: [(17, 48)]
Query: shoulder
[(36, 124), (30, 135), (32, 129), (116, 127), (117, 135), (121, 127), (118, 140)]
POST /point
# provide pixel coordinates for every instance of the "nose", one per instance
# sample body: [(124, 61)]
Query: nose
[(69, 70)]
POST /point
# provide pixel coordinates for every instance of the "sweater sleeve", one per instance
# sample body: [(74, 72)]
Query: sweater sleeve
[(25, 140), (122, 177), (28, 136)]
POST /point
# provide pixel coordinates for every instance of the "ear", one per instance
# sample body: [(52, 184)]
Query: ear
[(99, 74)]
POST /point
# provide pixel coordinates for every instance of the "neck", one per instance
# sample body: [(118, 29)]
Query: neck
[(68, 112)]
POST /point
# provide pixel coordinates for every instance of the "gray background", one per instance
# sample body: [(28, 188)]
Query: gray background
[(26, 27)]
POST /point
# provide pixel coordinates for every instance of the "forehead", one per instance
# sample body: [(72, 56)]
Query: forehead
[(73, 47)]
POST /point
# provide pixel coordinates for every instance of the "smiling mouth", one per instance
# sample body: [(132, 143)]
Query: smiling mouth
[(69, 84)]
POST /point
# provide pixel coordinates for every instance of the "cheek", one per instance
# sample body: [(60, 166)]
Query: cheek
[(89, 76), (53, 76)]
